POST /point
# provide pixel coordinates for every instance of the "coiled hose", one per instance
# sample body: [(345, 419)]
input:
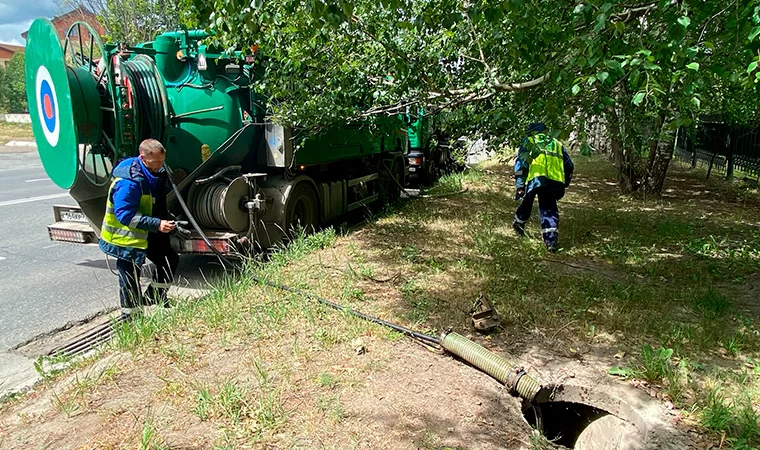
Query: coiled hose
[(151, 116)]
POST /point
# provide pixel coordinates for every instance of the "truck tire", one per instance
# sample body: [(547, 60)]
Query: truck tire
[(391, 176), (302, 209), (430, 173), (433, 168)]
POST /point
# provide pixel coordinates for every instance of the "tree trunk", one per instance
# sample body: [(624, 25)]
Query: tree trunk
[(730, 145), (627, 179), (655, 178), (655, 143)]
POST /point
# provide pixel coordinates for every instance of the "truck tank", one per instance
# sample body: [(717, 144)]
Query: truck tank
[(247, 182)]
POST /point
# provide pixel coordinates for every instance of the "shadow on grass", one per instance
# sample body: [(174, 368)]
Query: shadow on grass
[(671, 272)]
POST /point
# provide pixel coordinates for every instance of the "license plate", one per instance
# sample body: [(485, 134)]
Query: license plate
[(73, 216), (412, 169)]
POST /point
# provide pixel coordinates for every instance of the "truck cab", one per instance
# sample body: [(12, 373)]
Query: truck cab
[(428, 155)]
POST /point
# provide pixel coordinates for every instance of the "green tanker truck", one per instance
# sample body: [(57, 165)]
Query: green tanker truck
[(429, 154), (244, 181)]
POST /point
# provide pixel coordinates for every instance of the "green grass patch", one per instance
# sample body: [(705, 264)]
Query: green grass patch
[(15, 132)]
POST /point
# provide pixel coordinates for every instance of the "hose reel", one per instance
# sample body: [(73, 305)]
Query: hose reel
[(152, 101), (76, 96), (220, 204)]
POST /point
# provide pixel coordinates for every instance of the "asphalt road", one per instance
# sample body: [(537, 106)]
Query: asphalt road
[(43, 284)]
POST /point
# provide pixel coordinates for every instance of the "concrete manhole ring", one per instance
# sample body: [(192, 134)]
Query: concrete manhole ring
[(582, 418)]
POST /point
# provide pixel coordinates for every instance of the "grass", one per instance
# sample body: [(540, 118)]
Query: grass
[(666, 281), (331, 406), (15, 132), (736, 418), (203, 404), (150, 438)]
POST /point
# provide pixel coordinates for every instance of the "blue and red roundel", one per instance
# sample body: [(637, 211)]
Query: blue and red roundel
[(47, 106)]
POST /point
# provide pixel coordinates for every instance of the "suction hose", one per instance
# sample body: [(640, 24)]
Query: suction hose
[(191, 219), (512, 376), (508, 374)]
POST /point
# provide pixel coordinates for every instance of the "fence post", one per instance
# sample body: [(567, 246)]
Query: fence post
[(692, 147), (730, 144), (709, 168)]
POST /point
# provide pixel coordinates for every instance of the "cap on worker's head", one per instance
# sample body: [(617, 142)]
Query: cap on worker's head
[(536, 127)]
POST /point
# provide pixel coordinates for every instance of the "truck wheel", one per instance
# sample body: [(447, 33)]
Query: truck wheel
[(431, 173), (445, 164), (302, 209), (391, 176)]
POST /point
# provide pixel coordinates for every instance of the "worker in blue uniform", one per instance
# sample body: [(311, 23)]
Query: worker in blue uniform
[(136, 226), (543, 169)]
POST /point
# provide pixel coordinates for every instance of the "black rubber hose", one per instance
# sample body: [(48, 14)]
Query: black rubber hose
[(377, 320), (149, 102), (192, 221)]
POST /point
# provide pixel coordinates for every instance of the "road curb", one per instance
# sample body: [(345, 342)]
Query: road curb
[(17, 373), (21, 144)]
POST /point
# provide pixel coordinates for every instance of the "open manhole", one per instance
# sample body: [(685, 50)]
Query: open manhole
[(579, 418)]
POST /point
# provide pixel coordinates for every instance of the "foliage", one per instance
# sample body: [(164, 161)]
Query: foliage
[(655, 365), (13, 86), (736, 416), (131, 21), (3, 103), (647, 67)]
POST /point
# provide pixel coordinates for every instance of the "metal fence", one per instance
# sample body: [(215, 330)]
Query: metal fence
[(721, 147)]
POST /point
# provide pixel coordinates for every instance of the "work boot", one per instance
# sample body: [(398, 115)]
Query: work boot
[(128, 314), (552, 248), (519, 228), (157, 296)]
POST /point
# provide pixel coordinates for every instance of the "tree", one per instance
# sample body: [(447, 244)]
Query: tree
[(13, 86), (645, 67), (3, 99), (131, 21)]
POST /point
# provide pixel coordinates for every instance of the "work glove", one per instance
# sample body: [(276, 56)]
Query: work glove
[(519, 194)]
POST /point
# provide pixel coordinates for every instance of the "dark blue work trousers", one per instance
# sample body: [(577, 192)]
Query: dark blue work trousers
[(166, 260), (548, 213)]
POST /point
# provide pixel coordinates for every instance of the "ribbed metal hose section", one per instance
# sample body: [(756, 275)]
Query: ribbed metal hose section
[(150, 107), (207, 203), (507, 373)]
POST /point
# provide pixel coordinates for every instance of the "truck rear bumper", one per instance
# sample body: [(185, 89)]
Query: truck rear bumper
[(80, 233), (223, 242), (71, 226)]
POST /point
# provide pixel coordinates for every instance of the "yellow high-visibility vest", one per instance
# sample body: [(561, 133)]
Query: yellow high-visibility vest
[(547, 160), (130, 236)]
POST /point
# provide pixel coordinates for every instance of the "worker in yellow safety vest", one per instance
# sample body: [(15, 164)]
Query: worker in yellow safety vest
[(543, 169), (136, 226)]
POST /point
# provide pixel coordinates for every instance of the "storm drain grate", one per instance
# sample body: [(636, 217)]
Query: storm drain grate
[(86, 341)]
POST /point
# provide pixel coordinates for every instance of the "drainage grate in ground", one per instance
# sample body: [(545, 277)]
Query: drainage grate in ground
[(85, 341)]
